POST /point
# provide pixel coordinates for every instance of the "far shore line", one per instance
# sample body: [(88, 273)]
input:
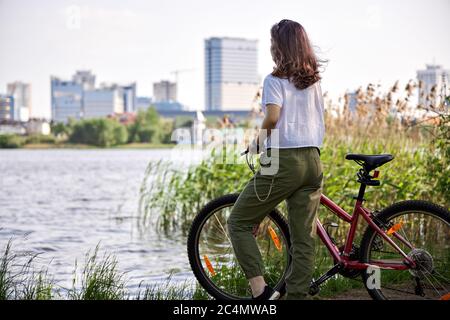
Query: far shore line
[(40, 146)]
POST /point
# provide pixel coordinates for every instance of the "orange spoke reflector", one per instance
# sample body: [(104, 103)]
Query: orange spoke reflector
[(445, 297), (395, 228), (209, 265), (274, 237)]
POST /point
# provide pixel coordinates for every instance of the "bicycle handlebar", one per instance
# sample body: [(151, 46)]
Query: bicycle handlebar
[(244, 153)]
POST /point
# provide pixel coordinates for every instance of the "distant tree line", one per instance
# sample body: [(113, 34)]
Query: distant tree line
[(148, 127)]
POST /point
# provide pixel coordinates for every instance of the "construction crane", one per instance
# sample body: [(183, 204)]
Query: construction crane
[(178, 71)]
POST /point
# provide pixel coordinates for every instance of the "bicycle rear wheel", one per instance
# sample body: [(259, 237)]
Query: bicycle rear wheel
[(211, 254), (427, 227)]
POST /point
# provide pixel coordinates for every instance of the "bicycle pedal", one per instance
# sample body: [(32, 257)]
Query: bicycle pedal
[(275, 296), (314, 289)]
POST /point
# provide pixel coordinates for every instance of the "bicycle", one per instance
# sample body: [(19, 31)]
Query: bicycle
[(407, 243)]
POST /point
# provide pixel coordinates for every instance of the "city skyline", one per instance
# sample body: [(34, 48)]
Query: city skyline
[(135, 43)]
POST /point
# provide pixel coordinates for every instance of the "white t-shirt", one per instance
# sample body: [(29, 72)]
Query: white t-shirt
[(301, 122)]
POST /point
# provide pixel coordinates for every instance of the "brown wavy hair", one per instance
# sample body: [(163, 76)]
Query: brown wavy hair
[(293, 54)]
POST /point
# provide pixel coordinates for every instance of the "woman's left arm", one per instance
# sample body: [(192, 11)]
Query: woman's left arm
[(269, 123)]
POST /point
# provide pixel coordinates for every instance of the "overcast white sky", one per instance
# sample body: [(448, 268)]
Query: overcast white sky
[(123, 41)]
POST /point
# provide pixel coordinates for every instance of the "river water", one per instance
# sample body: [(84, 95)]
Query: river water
[(61, 203)]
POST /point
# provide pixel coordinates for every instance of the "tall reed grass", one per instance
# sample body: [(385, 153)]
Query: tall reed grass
[(19, 279), (97, 278), (100, 279)]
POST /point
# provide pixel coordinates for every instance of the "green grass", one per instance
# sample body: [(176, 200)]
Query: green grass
[(99, 279), (7, 283), (338, 285), (58, 146), (167, 290), (39, 286), (18, 278)]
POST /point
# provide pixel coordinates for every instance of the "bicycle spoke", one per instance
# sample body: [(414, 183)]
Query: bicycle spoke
[(437, 291), (441, 276), (223, 229)]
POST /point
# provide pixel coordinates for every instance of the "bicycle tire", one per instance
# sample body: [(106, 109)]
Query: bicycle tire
[(194, 233)]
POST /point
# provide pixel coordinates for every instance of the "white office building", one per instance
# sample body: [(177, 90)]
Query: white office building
[(103, 102), (21, 93), (66, 100), (127, 94), (433, 76), (231, 73)]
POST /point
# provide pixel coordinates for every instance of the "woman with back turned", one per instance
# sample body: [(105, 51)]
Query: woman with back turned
[(292, 103)]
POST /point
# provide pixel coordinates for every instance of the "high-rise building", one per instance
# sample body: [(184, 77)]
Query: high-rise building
[(66, 99), (433, 76), (6, 108), (67, 96), (165, 91), (231, 73), (21, 92), (103, 102)]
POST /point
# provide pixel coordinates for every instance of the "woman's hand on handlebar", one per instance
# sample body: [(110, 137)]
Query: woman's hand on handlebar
[(245, 152), (253, 148)]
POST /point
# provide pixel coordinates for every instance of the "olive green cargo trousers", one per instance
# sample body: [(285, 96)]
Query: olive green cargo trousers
[(299, 182)]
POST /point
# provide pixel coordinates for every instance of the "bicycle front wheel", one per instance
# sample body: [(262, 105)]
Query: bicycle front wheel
[(426, 228), (211, 253)]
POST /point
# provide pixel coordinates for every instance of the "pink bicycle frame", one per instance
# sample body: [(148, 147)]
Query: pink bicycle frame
[(343, 257)]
